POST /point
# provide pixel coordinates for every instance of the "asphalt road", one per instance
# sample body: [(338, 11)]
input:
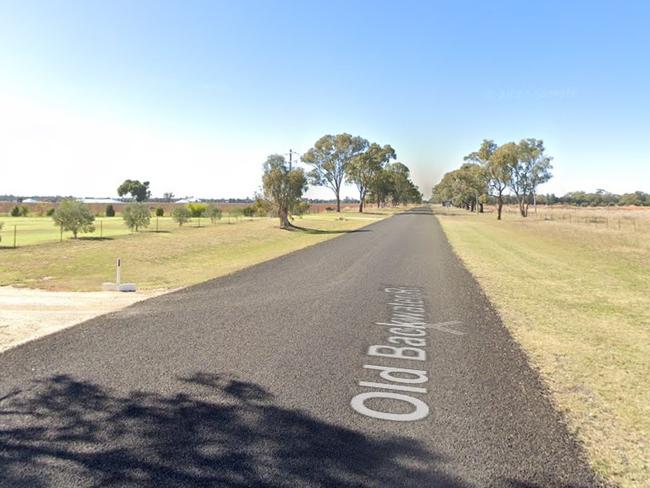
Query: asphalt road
[(249, 380)]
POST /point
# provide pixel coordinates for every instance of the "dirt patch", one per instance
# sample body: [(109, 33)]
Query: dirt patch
[(27, 314)]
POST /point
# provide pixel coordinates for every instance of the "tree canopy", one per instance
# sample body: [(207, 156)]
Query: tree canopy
[(74, 216), (330, 159), (139, 191), (364, 169), (516, 167), (283, 186)]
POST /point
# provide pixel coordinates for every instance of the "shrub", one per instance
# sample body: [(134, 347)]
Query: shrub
[(181, 215), (248, 211), (15, 212), (214, 213), (50, 212), (263, 207), (136, 215), (235, 212), (197, 209), (300, 208), (160, 212), (74, 216), (110, 211)]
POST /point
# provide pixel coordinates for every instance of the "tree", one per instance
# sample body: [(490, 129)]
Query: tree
[(136, 215), (197, 210), (537, 167), (138, 191), (110, 211), (381, 187), (498, 170), (181, 215), (214, 213), (365, 168), (330, 158), (160, 212), (74, 216), (168, 197), (530, 169), (283, 186)]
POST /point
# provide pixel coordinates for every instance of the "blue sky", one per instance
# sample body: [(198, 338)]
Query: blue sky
[(194, 95)]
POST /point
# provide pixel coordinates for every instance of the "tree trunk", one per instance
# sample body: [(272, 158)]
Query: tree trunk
[(338, 201), (499, 206), (284, 219), (362, 197)]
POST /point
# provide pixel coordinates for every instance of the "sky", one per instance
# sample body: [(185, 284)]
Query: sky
[(194, 95)]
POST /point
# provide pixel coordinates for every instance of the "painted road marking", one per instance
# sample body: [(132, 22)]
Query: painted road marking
[(408, 338)]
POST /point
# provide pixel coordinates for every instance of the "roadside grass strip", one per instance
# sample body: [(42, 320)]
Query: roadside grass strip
[(576, 298)]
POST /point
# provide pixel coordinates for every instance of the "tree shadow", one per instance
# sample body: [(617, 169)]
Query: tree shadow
[(217, 430), (94, 238), (307, 230)]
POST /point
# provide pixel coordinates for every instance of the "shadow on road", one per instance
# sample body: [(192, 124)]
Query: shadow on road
[(220, 431), (307, 230)]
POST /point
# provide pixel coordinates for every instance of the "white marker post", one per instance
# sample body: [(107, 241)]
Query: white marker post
[(118, 286), (118, 273)]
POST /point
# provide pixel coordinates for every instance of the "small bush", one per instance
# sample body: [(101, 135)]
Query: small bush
[(74, 216), (301, 208), (197, 209), (16, 211), (181, 215), (50, 212), (214, 213), (248, 211), (263, 207), (136, 216), (110, 211), (160, 212)]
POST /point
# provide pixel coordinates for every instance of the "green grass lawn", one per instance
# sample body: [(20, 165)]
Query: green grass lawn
[(39, 230), (170, 258), (576, 298)]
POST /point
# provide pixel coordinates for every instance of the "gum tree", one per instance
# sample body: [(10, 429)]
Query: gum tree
[(330, 158), (366, 167), (283, 186)]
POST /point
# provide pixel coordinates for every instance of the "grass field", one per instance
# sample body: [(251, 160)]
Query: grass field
[(170, 258), (575, 294), (39, 230)]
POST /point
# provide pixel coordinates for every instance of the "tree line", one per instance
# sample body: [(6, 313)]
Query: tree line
[(512, 170), (335, 160)]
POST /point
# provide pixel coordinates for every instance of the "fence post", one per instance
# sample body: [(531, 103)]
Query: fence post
[(14, 236)]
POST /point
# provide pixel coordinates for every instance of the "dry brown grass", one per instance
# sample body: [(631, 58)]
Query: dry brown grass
[(573, 288)]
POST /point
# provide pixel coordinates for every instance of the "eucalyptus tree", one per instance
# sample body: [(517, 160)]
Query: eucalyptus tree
[(139, 191), (283, 186), (499, 171), (366, 167), (531, 168), (330, 158)]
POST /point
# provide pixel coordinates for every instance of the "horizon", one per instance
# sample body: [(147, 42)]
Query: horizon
[(194, 96)]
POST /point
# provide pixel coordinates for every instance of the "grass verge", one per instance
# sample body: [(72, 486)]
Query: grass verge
[(576, 298), (169, 259)]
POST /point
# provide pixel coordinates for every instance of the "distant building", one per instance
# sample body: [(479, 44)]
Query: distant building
[(100, 200)]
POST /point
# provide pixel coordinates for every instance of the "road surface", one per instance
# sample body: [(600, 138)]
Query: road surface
[(370, 360)]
